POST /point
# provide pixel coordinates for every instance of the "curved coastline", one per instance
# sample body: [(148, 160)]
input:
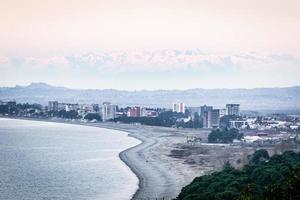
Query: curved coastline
[(123, 155), (158, 177), (129, 155), (120, 154)]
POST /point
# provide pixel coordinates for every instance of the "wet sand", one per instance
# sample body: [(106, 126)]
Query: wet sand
[(161, 176)]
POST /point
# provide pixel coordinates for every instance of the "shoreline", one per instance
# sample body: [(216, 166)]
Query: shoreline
[(164, 162), (128, 156), (161, 172), (123, 155)]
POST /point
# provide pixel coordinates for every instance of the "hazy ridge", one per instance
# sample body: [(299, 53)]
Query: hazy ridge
[(250, 99)]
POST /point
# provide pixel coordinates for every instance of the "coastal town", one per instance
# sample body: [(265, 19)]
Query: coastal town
[(251, 128), (150, 100), (178, 143), (178, 115)]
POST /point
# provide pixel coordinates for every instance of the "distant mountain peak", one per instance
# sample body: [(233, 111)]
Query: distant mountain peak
[(37, 85)]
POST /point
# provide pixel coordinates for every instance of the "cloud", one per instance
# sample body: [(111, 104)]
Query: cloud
[(265, 63), (164, 60), (195, 66)]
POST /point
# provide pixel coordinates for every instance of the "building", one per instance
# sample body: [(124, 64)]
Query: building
[(222, 112), (52, 106), (96, 107), (206, 119), (205, 114), (108, 111), (210, 117), (11, 104), (215, 118), (87, 108), (178, 107), (238, 124), (71, 106), (148, 112), (134, 112), (61, 106), (204, 109), (233, 109)]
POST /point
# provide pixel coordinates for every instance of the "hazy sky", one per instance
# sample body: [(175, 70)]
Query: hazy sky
[(137, 44)]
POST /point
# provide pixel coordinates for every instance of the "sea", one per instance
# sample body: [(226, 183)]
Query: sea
[(47, 160)]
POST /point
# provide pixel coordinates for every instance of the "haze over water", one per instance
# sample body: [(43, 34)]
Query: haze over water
[(42, 160)]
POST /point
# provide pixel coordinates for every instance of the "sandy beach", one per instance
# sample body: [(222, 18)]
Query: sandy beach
[(160, 176)]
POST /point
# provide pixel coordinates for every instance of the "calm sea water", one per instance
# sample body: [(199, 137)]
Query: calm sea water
[(42, 160)]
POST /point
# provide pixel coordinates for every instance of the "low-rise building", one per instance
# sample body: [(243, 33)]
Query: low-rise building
[(134, 111)]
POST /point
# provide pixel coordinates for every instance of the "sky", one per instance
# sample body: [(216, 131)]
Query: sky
[(138, 44)]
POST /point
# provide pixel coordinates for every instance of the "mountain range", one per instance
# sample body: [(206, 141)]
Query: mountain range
[(287, 98)]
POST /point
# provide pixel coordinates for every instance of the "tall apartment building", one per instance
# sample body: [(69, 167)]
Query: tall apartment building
[(215, 118), (52, 106), (178, 107), (210, 117), (205, 108), (108, 111), (233, 109), (206, 119), (222, 112)]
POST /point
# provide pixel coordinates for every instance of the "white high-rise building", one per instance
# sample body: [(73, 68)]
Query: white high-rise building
[(108, 111), (178, 107), (233, 109)]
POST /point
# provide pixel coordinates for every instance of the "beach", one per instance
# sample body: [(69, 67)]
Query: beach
[(160, 176), (163, 161)]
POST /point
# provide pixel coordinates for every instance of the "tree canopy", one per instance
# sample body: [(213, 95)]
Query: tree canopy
[(275, 178), (167, 119), (224, 135), (93, 116)]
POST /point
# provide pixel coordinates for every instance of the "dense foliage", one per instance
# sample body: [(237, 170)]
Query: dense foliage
[(259, 156), (4, 109), (167, 119), (93, 116), (72, 114), (275, 178), (224, 135)]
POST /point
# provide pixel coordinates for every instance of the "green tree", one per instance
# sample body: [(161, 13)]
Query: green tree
[(259, 156), (93, 116)]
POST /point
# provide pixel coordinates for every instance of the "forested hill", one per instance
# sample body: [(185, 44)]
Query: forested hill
[(250, 99), (275, 178)]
